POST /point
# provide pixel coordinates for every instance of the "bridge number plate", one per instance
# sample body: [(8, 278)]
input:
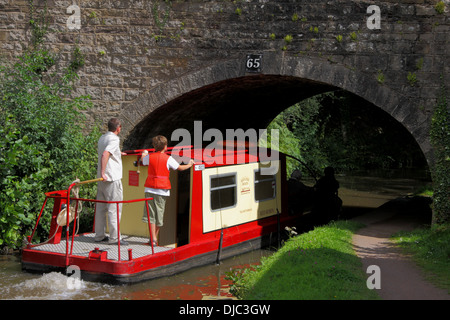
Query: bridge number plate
[(253, 63)]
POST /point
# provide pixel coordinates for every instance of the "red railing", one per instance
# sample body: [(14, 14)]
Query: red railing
[(62, 195)]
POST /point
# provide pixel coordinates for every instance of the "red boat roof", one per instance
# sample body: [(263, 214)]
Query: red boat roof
[(223, 153)]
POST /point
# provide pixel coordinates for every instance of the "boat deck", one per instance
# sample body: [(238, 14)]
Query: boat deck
[(85, 243)]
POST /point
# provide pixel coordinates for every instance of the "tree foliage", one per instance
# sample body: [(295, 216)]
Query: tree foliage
[(341, 130), (42, 144), (299, 134)]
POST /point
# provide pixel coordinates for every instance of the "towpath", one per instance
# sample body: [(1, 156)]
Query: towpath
[(400, 278)]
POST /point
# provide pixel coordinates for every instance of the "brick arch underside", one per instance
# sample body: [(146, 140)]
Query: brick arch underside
[(224, 97), (244, 102)]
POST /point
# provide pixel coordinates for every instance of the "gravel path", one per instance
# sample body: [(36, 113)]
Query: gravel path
[(400, 278)]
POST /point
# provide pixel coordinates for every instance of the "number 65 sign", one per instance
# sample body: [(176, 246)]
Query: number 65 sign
[(253, 63)]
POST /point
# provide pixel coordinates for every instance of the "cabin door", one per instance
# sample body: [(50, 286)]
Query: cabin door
[(133, 188)]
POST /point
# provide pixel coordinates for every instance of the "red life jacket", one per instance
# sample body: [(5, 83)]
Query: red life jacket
[(158, 174)]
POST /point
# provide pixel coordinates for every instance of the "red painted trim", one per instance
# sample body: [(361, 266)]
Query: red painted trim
[(196, 221), (232, 236)]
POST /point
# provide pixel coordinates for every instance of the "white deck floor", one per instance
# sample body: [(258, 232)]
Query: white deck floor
[(85, 243)]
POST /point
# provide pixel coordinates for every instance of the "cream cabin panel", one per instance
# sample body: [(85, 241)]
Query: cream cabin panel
[(246, 208)]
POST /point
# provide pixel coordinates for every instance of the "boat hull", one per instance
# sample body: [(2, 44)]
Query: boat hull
[(149, 267)]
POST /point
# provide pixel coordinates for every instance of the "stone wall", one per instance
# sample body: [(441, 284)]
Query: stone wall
[(141, 56)]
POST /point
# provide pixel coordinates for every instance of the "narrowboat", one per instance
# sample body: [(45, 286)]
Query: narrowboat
[(229, 202)]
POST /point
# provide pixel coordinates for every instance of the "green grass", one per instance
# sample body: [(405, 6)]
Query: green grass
[(319, 265), (430, 249)]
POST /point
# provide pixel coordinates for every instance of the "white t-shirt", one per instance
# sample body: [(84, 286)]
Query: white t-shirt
[(110, 142), (171, 164)]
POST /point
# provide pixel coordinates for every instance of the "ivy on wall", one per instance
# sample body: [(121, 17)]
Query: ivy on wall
[(440, 170)]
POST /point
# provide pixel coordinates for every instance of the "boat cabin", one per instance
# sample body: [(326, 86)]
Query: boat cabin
[(208, 198)]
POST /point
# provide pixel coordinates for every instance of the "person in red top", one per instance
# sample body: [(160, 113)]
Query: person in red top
[(157, 185)]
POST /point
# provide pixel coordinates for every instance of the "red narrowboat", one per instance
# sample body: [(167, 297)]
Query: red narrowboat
[(229, 202)]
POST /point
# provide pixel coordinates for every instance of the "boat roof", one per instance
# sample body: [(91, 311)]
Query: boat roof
[(217, 154)]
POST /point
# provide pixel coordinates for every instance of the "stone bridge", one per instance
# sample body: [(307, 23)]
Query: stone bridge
[(161, 64)]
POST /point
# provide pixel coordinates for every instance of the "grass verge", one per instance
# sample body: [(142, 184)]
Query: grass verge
[(318, 265), (430, 249)]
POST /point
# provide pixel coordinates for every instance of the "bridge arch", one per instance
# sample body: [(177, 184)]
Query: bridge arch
[(223, 95)]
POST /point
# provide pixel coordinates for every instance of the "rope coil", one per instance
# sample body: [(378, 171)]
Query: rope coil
[(61, 220)]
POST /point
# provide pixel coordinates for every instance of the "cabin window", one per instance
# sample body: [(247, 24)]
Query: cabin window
[(223, 191), (265, 186)]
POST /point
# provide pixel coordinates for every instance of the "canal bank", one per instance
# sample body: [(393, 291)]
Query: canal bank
[(348, 260)]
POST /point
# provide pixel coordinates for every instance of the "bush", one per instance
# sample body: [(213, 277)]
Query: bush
[(42, 145)]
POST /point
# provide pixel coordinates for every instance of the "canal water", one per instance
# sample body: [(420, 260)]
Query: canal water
[(201, 283), (208, 282)]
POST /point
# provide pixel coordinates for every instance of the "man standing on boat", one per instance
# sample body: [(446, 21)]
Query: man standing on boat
[(109, 167), (157, 185)]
